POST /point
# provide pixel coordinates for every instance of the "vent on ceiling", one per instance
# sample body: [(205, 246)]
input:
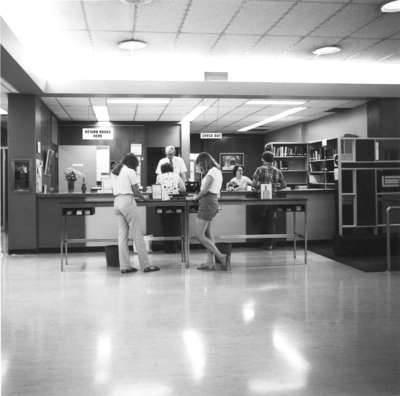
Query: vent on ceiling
[(337, 110), (215, 76)]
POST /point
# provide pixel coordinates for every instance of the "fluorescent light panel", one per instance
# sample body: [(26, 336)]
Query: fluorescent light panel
[(101, 113), (327, 50), (195, 113), (138, 101), (276, 117), (391, 6), (275, 102)]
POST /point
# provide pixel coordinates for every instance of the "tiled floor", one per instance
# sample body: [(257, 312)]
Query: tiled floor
[(265, 328)]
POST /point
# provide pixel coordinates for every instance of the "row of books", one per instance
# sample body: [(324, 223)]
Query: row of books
[(289, 151)]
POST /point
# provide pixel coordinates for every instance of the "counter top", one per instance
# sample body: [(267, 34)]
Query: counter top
[(244, 194)]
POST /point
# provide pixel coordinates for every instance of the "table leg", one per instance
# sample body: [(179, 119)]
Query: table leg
[(187, 237), (305, 233), (294, 234), (388, 247), (62, 242), (183, 240)]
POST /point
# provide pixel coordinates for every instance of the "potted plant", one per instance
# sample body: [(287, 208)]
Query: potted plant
[(71, 175)]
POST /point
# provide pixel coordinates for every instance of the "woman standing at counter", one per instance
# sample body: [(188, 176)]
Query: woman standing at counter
[(239, 182), (208, 208), (125, 184)]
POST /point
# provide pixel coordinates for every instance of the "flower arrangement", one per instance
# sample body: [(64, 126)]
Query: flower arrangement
[(72, 174)]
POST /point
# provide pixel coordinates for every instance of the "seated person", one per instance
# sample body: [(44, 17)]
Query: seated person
[(238, 182), (170, 180)]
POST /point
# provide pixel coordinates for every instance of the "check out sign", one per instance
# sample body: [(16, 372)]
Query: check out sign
[(211, 135)]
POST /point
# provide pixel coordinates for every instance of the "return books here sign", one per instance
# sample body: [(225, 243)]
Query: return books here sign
[(97, 134)]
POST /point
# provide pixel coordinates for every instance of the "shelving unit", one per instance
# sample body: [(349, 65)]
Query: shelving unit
[(369, 182), (321, 163), (291, 159)]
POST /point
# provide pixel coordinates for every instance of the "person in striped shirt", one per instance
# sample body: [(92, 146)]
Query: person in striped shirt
[(264, 174)]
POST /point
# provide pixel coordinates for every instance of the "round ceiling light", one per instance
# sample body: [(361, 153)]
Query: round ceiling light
[(132, 44), (328, 50), (391, 6), (136, 2)]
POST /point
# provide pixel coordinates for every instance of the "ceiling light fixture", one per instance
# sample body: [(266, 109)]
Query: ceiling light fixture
[(274, 102), (101, 113), (194, 113), (132, 44), (276, 117), (138, 101), (3, 112), (391, 6), (328, 50)]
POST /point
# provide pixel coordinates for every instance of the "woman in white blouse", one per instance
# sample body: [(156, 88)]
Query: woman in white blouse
[(125, 184), (239, 182), (208, 208)]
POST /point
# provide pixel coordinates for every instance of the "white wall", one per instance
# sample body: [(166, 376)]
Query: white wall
[(353, 121)]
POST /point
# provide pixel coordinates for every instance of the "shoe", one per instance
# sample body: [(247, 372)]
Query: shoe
[(151, 268), (206, 267), (224, 265), (128, 270)]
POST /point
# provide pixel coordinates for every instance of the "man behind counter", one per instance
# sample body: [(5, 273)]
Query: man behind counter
[(177, 163), (264, 174), (171, 222)]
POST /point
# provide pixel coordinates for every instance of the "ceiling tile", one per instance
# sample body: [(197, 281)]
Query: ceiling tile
[(68, 15), (346, 21), (109, 15), (121, 117), (74, 101), (351, 47), (195, 43), (383, 27), (209, 16), (161, 16), (256, 17), (304, 18), (230, 44), (384, 49), (274, 45)]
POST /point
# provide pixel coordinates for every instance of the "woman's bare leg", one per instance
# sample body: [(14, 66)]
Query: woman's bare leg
[(201, 229)]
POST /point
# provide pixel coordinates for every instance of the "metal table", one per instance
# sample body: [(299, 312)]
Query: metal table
[(85, 206), (293, 205)]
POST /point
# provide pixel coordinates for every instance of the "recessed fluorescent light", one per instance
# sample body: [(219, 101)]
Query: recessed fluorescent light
[(195, 113), (274, 102), (328, 50), (3, 112), (391, 6), (132, 44), (273, 118), (139, 101), (101, 113)]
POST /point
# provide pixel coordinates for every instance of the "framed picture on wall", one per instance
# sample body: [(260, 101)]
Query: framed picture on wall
[(229, 160), (21, 170)]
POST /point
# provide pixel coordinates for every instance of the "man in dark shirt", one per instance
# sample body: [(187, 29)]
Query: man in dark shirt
[(264, 174)]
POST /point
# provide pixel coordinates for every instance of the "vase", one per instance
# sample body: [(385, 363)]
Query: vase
[(83, 188), (71, 186)]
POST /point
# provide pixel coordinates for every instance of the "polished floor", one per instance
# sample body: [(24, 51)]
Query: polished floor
[(268, 327)]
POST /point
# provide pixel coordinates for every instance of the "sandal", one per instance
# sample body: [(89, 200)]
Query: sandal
[(206, 267), (151, 268)]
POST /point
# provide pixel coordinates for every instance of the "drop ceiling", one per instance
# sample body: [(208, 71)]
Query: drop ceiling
[(224, 115), (67, 33)]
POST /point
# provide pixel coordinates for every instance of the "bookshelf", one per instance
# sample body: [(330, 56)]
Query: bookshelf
[(321, 163), (368, 182), (291, 159)]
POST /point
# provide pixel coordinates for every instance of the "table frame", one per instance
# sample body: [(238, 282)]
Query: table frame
[(292, 205)]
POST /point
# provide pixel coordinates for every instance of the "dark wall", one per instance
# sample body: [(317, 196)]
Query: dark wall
[(149, 135), (29, 121), (251, 145), (384, 118)]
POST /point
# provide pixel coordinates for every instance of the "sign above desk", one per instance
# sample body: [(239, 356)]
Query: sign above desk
[(97, 134), (211, 135)]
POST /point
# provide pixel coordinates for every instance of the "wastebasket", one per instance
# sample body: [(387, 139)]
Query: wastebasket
[(112, 258)]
